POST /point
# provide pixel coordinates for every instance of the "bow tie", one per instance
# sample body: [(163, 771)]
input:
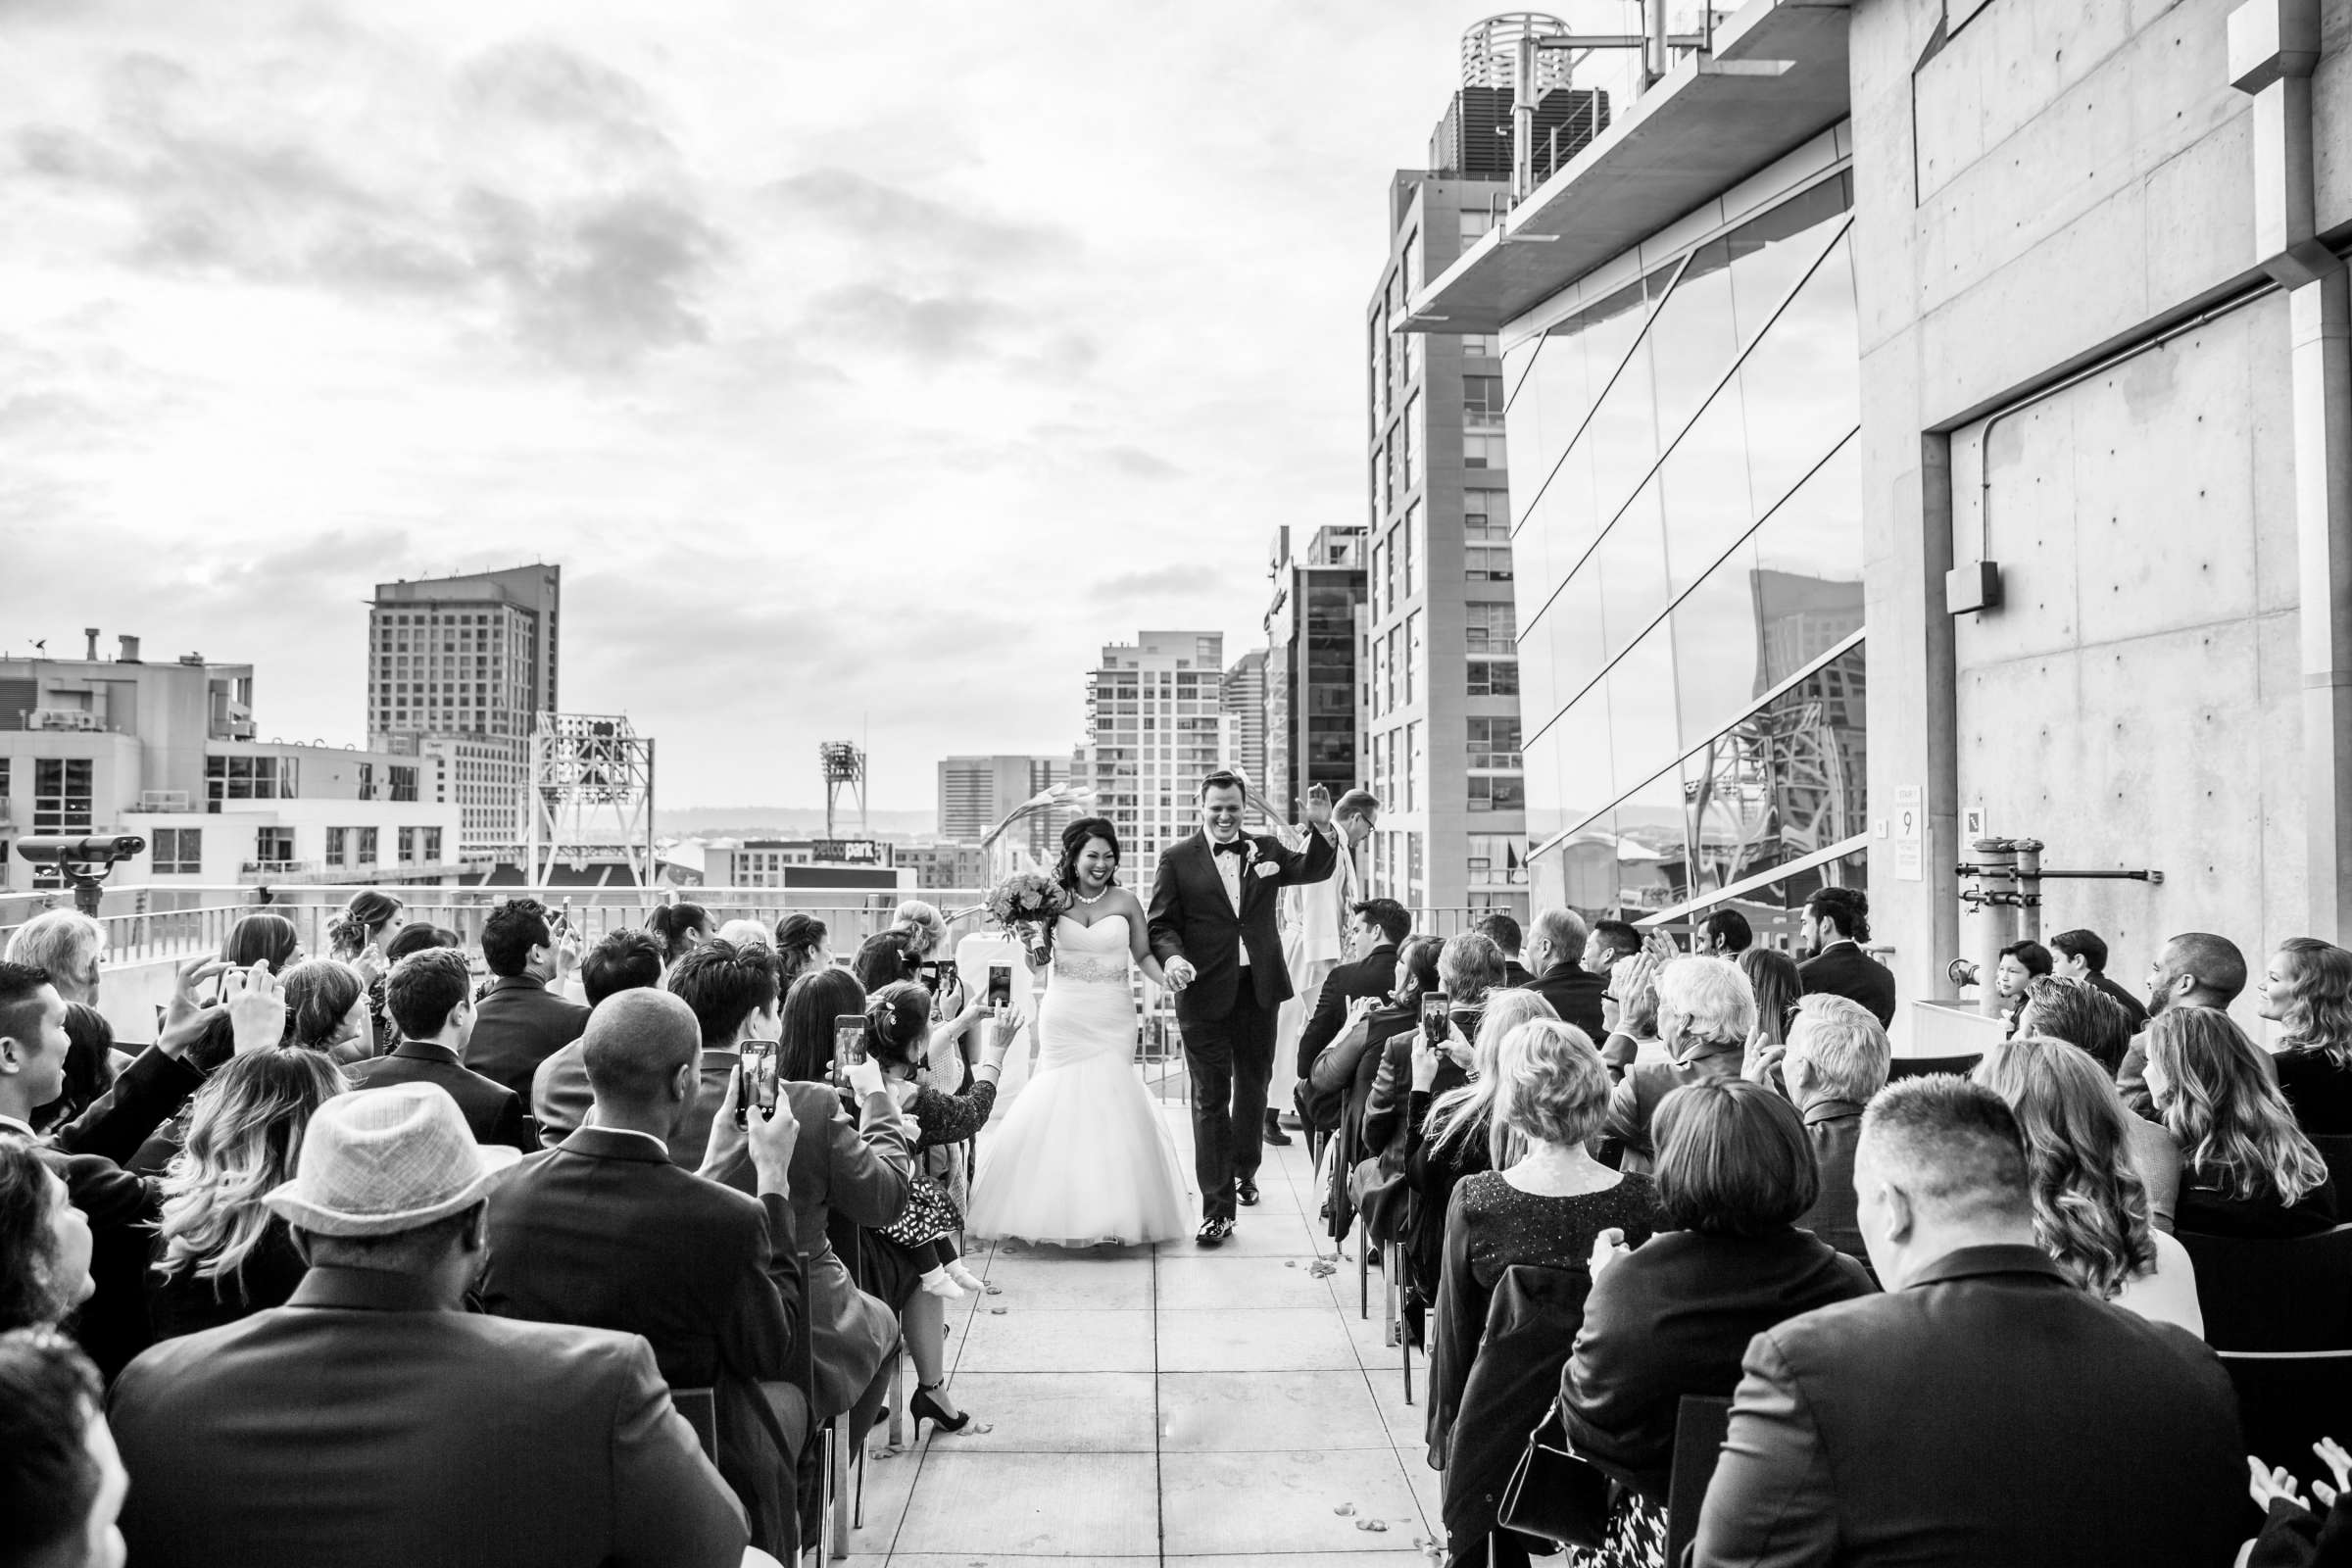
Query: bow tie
[(1237, 846)]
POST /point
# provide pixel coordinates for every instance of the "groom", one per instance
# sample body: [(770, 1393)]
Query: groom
[(1213, 930)]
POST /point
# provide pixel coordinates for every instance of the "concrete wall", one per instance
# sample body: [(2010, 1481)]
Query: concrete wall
[(2053, 183)]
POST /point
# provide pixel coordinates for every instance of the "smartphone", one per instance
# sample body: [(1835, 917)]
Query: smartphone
[(1432, 1016), (1000, 985), (934, 972), (849, 1044), (758, 1081)]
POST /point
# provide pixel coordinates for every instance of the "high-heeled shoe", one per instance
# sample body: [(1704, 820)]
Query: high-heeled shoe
[(922, 1407)]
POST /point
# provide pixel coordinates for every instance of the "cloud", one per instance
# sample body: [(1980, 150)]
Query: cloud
[(605, 111), (1162, 582), (894, 220), (1139, 464), (600, 286)]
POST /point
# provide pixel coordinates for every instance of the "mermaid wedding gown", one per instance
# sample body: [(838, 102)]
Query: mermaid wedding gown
[(1083, 1155)]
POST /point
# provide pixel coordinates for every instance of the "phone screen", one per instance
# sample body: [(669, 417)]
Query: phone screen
[(935, 974), (758, 1081), (1432, 1016), (1000, 985), (849, 1044)]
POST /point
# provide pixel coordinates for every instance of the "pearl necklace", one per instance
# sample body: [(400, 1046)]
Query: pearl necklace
[(1097, 898)]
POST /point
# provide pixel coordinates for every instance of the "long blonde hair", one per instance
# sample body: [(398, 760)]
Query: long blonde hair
[(244, 1129), (2090, 1206), (2236, 1130), (1461, 1112)]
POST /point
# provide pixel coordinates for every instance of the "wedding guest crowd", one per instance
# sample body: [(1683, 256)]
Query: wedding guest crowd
[(354, 1264)]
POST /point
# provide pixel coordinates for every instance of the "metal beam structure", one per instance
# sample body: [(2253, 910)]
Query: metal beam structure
[(591, 796)]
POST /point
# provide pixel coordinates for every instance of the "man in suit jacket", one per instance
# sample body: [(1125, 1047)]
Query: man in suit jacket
[(1504, 933), (1213, 931), (429, 996), (1381, 927), (1835, 922), (2195, 969), (1987, 1409), (521, 1023), (1835, 1063), (604, 1231), (372, 1422), (1556, 955), (624, 960)]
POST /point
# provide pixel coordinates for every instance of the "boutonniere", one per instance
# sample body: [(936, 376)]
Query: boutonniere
[(1267, 869)]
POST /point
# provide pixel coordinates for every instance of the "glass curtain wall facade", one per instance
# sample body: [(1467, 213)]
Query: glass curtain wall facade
[(1690, 571)]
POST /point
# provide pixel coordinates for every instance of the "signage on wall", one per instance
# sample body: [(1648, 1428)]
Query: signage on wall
[(1973, 825), (846, 851), (1909, 809)]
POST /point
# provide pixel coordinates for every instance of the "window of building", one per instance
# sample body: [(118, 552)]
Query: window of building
[(1487, 517), (1410, 437), (1493, 677), (1496, 858), (1494, 743), (1476, 220), (61, 794), (1481, 402), (1413, 569), (1482, 346), (1412, 654), (1489, 628), (408, 846), (1497, 791), (1482, 451), (1388, 574), (404, 782), (337, 846), (366, 852), (273, 846), (1487, 563), (1412, 766), (178, 851)]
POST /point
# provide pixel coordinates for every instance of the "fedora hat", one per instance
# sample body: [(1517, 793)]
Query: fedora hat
[(384, 1161)]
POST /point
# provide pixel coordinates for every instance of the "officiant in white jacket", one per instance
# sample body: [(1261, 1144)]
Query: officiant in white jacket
[(1315, 918)]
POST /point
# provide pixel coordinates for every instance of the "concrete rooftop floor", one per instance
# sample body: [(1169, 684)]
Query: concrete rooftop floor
[(1155, 1404)]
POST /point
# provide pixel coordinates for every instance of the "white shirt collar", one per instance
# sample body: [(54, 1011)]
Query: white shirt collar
[(9, 1124)]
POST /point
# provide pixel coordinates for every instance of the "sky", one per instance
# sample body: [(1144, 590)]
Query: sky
[(867, 369)]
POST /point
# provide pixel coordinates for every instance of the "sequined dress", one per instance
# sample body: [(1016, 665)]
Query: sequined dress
[(1083, 1155)]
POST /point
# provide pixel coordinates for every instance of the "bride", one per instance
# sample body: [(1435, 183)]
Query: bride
[(1083, 1155)]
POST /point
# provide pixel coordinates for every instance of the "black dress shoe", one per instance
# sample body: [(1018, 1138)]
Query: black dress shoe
[(1213, 1232), (1245, 1192)]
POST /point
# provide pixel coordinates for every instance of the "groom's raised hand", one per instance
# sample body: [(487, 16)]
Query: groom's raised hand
[(1319, 807)]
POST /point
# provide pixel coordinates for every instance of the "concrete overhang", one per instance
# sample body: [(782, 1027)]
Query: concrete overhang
[(1776, 81)]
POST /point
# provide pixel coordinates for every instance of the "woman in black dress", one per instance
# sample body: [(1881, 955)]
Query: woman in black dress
[(2246, 1169), (2307, 990)]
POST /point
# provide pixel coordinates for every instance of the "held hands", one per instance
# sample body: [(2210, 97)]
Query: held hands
[(1607, 1247), (257, 1008), (1180, 972)]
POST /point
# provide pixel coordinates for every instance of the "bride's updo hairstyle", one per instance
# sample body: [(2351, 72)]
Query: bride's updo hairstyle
[(897, 1025), (1075, 839)]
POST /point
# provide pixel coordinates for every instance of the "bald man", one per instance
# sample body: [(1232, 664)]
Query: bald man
[(2195, 969)]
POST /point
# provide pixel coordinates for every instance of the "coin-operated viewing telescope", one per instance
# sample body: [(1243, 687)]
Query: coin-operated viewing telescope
[(82, 861)]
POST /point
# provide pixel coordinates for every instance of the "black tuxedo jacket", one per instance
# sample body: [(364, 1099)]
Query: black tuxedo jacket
[(1845, 970), (605, 1232), (1193, 919), (1575, 994), (519, 1024), (1372, 975), (492, 1112)]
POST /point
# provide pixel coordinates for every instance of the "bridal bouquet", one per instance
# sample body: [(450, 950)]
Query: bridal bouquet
[(1026, 903)]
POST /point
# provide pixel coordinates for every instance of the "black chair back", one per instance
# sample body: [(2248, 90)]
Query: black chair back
[(1700, 1426), (2337, 1149), (1921, 1066), (2291, 1294), (699, 1408), (2287, 1401)]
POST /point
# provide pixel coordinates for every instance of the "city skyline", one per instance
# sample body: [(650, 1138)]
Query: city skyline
[(682, 305)]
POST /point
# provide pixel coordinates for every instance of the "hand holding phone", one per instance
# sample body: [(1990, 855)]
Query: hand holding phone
[(1000, 985), (1434, 1020), (758, 1081)]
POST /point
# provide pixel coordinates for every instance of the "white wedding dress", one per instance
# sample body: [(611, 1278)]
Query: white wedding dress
[(1083, 1155)]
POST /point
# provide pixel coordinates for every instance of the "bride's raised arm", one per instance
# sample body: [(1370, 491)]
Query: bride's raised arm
[(1139, 942)]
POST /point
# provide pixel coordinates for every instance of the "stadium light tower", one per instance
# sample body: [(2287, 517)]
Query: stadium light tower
[(844, 764), (591, 796)]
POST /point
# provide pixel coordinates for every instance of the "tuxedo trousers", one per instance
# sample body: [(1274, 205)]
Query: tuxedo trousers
[(1231, 1063)]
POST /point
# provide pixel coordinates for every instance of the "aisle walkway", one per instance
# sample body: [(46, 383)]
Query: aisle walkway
[(1155, 1404)]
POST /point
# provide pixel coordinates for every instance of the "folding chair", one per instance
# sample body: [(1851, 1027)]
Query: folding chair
[(2289, 1399), (2281, 1294), (1700, 1426), (699, 1408)]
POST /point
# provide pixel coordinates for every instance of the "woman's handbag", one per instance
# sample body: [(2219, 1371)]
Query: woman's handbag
[(1553, 1495)]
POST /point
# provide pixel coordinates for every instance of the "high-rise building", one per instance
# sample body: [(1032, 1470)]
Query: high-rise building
[(1155, 721), (1313, 627), (976, 793), (1441, 713), (457, 669), (1244, 704)]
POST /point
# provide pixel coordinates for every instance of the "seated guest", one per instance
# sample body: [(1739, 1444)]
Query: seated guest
[(801, 946), (1724, 934), (2307, 992), (1674, 1316), (675, 930), (2061, 1008), (624, 960), (1836, 1060), (1610, 941), (2038, 1426), (220, 1255), (1390, 1028), (1772, 976), (61, 1480), (264, 938), (732, 992), (1380, 926), (1555, 953), (1544, 1201), (2090, 1206), (2246, 1167), (2082, 955), (606, 1232), (2195, 969), (326, 1010), (44, 1243), (1504, 931), (373, 1421), (107, 1103), (864, 1169), (1629, 1001), (89, 1067), (2020, 961), (415, 937), (1705, 1014), (67, 946), (521, 1023), (430, 998), (1837, 923)]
